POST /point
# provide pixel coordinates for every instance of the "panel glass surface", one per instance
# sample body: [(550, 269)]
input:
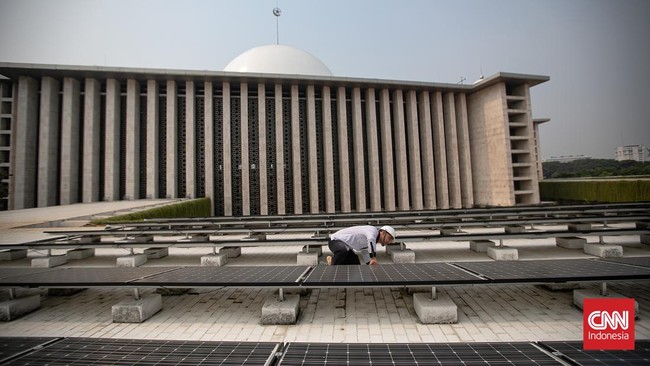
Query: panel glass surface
[(13, 346), (228, 276), (635, 261), (416, 354), (85, 276), (13, 272), (573, 350), (554, 270), (389, 274)]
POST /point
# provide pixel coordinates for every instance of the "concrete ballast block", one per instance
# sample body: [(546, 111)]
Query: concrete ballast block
[(275, 312), (580, 226), (49, 262), (307, 259), (89, 239), (604, 250), (645, 238), (403, 256), (503, 253), (136, 240), (156, 253), (481, 246), (216, 260), (515, 229), (231, 252), (14, 309), (580, 295), (11, 254), (441, 310), (571, 242), (393, 247), (313, 249), (137, 311), (132, 260), (81, 253)]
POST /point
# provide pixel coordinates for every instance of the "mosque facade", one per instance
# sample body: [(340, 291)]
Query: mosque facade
[(274, 133)]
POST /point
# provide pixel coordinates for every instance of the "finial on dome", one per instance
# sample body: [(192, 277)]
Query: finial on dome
[(277, 12)]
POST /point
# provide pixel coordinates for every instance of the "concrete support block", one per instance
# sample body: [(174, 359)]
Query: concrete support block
[(313, 249), (137, 311), (89, 239), (503, 253), (275, 312), (580, 226), (481, 246), (642, 224), (393, 247), (450, 231), (11, 254), (441, 310), (604, 250), (136, 240), (81, 253), (216, 260), (580, 295), (231, 252), (49, 262), (254, 237), (403, 256), (156, 253), (194, 238), (515, 229), (571, 242), (307, 259), (555, 287), (135, 260), (14, 309), (645, 238)]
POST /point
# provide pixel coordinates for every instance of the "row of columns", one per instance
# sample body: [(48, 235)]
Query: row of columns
[(420, 139)]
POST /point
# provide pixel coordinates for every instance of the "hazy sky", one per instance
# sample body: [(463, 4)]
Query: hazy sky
[(596, 52)]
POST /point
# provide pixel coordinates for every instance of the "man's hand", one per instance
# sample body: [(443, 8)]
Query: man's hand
[(373, 261)]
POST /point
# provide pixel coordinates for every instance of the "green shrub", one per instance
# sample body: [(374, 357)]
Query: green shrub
[(194, 208), (596, 190)]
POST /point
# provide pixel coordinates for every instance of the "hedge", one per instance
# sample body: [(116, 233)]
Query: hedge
[(628, 190), (194, 208)]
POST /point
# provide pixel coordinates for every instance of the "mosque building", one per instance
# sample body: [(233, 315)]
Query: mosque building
[(274, 133)]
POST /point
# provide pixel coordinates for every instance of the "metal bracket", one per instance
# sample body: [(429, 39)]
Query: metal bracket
[(280, 294), (136, 293), (603, 289), (434, 294)]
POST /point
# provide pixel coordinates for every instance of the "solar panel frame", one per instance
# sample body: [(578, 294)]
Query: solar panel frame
[(237, 276), (83, 277), (20, 271), (633, 261), (150, 352), (12, 347), (412, 274), (573, 351), (562, 270), (496, 353)]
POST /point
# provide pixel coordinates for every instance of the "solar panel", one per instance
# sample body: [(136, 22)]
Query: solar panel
[(228, 276), (84, 276), (104, 351), (11, 347), (390, 274), (555, 270), (13, 272), (574, 352), (635, 261), (416, 354)]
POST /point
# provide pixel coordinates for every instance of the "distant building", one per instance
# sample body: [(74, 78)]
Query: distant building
[(274, 133), (631, 152), (565, 158)]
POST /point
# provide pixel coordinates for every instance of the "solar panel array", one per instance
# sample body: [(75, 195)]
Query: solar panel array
[(85, 276), (284, 276), (635, 261), (12, 347), (574, 352)]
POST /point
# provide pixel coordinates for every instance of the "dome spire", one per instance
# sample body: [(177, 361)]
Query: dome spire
[(277, 12)]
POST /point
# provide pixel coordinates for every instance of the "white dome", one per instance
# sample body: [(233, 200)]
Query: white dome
[(278, 59)]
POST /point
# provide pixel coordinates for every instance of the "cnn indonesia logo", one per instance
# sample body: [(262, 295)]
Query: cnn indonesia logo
[(608, 324)]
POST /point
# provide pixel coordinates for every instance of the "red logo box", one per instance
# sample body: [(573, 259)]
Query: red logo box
[(608, 324)]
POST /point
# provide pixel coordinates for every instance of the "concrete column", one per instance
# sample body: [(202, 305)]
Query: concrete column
[(172, 144), (464, 158), (48, 143), (70, 142), (279, 151), (190, 140), (439, 151), (153, 135), (227, 157), (209, 143), (92, 120), (132, 140), (313, 151), (344, 160), (426, 147), (328, 152), (357, 145), (373, 151), (386, 143), (261, 123), (295, 151), (413, 138), (400, 151), (245, 159), (451, 143), (24, 140), (112, 142)]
